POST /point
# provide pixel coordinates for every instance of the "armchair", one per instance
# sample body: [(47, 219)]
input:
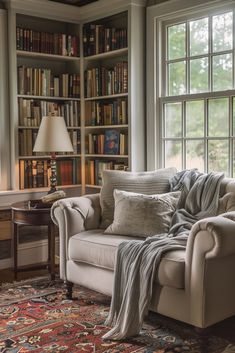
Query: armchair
[(196, 286)]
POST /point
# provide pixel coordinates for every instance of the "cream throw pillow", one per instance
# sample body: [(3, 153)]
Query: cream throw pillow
[(148, 183), (142, 215)]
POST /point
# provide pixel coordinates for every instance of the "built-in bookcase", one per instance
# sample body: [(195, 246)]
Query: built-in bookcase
[(48, 81), (89, 67), (106, 76)]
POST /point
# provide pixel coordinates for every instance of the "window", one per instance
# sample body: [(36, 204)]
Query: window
[(197, 97)]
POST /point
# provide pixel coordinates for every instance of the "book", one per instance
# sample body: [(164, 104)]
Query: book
[(49, 43), (111, 142)]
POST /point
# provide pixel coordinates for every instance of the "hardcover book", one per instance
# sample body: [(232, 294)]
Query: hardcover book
[(111, 142)]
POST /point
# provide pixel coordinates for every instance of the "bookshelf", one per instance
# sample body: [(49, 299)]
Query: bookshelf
[(47, 66), (109, 108), (89, 67)]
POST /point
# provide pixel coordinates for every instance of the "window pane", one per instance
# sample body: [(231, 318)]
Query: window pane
[(176, 80), (176, 41), (222, 72), (233, 116), (195, 155), (222, 32), (198, 36), (233, 158), (173, 154), (173, 120), (195, 118), (199, 75), (218, 117), (218, 156)]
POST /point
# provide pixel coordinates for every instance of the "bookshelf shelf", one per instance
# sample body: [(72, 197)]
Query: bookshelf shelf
[(52, 98), (106, 156), (36, 55), (93, 186), (108, 54), (61, 156), (100, 127), (45, 189), (20, 127), (37, 127), (111, 96)]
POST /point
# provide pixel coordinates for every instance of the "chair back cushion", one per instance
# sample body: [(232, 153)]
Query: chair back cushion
[(148, 183)]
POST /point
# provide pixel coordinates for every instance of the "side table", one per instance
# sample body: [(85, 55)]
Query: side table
[(25, 214)]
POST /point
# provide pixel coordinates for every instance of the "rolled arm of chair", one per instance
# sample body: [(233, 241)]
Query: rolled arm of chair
[(218, 237), (210, 243), (72, 216)]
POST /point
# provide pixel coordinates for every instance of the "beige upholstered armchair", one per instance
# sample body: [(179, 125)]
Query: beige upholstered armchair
[(196, 286)]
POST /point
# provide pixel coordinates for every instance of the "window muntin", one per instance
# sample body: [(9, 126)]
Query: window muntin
[(202, 135), (204, 48)]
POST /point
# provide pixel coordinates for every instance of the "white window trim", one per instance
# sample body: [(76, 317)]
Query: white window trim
[(155, 16), (4, 106)]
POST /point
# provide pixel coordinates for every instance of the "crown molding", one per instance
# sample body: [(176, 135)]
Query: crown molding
[(97, 9), (178, 6), (70, 13), (44, 8)]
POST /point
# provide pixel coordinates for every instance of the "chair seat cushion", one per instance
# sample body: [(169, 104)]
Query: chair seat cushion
[(98, 249)]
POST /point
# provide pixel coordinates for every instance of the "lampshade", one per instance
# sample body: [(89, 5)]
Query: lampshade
[(53, 136)]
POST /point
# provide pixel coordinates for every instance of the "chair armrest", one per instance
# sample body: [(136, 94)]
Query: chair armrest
[(217, 236), (72, 216), (210, 245)]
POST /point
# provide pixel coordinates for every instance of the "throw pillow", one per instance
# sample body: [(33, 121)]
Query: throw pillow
[(142, 215), (155, 182)]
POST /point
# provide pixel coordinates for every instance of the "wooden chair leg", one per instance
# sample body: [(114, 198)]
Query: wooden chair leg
[(69, 290)]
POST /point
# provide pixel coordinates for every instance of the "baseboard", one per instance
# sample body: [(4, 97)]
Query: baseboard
[(30, 253)]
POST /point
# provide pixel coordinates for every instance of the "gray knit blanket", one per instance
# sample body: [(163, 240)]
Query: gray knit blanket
[(137, 261)]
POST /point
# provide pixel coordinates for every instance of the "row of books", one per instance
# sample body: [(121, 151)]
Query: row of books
[(98, 38), (42, 82), (31, 111), (27, 138), (106, 113), (36, 173), (95, 168), (44, 42), (111, 142), (102, 81)]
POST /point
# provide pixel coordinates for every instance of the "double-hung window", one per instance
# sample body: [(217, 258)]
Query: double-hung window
[(197, 97)]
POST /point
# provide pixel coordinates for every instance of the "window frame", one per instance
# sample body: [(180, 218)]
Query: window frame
[(157, 17)]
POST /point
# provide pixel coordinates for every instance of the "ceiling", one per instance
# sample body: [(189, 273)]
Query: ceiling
[(75, 2)]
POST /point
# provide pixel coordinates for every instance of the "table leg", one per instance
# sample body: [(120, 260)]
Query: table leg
[(15, 246), (51, 249)]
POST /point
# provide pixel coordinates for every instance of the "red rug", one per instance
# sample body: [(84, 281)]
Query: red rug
[(36, 317)]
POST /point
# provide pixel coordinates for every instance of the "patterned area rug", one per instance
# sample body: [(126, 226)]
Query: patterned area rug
[(36, 317)]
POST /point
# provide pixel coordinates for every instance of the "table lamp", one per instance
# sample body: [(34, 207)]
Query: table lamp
[(53, 137)]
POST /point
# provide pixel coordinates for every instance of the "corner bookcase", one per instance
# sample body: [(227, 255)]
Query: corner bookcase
[(90, 69), (105, 57)]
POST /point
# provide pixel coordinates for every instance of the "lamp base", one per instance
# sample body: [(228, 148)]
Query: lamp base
[(53, 177), (52, 190)]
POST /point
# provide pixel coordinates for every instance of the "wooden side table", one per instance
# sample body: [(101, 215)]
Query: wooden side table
[(26, 214)]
